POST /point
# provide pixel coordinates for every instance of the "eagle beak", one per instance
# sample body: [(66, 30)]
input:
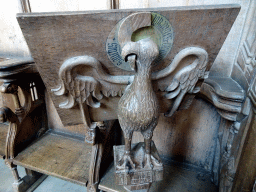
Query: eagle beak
[(129, 53), (131, 59)]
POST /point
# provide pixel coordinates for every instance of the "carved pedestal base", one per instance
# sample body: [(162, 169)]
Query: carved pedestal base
[(138, 188), (141, 177)]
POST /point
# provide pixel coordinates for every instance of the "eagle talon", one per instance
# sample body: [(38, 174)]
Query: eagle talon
[(150, 162), (125, 163)]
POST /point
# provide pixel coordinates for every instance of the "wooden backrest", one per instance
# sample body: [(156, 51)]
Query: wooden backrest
[(53, 38)]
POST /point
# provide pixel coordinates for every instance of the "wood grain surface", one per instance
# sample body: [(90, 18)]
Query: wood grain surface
[(60, 156), (3, 134), (55, 37)]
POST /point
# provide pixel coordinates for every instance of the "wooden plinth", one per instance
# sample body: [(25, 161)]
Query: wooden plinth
[(139, 178), (176, 178)]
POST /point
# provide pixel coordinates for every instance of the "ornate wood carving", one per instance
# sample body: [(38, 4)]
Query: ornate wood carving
[(235, 103), (83, 76), (11, 72), (89, 87), (246, 59), (138, 107), (226, 95), (93, 43), (95, 82), (230, 100), (246, 56), (8, 115), (103, 144)]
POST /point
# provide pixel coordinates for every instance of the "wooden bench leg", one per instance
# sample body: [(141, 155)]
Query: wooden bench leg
[(31, 180), (105, 134), (93, 182)]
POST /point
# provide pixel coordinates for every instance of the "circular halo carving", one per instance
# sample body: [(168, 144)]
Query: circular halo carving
[(160, 31)]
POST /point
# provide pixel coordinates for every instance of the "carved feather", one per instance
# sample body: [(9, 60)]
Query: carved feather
[(185, 80), (90, 85), (82, 79)]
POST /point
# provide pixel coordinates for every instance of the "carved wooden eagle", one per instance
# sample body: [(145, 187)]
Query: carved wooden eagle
[(138, 108)]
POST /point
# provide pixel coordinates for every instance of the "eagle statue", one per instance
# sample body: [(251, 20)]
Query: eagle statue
[(138, 107)]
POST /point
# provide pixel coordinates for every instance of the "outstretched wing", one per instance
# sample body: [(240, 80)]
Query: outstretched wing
[(185, 80), (82, 79)]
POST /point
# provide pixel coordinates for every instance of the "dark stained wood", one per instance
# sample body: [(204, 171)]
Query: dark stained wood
[(23, 112), (58, 155), (231, 103), (3, 135), (138, 108)]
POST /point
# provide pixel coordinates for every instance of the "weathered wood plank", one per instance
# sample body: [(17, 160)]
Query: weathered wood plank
[(60, 156)]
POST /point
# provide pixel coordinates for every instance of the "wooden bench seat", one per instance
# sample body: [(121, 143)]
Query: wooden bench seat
[(58, 155)]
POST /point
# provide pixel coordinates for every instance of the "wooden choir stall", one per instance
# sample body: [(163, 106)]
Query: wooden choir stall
[(126, 100)]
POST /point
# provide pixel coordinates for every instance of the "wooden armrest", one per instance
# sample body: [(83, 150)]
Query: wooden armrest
[(28, 118), (16, 69), (226, 95)]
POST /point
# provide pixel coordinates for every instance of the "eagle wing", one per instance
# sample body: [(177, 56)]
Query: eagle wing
[(185, 79), (82, 79)]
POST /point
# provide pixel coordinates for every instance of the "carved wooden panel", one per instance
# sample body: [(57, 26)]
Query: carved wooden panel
[(243, 71), (52, 42)]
